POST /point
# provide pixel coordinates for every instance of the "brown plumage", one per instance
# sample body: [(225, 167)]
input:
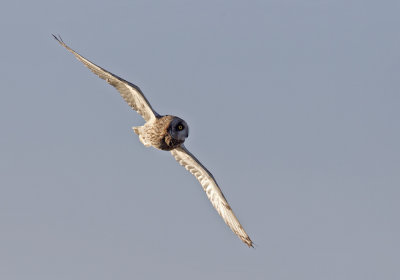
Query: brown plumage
[(158, 134)]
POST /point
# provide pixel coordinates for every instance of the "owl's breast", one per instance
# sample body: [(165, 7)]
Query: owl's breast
[(169, 143), (158, 134)]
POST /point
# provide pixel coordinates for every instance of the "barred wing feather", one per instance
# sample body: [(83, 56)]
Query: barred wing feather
[(214, 193), (130, 92)]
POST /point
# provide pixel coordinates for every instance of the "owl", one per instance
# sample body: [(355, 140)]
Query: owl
[(167, 133)]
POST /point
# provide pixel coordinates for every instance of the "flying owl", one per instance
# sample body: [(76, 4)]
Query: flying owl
[(167, 133)]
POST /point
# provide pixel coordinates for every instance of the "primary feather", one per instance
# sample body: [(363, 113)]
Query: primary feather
[(129, 92), (214, 193)]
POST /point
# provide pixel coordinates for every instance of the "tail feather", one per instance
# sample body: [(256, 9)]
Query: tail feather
[(138, 131)]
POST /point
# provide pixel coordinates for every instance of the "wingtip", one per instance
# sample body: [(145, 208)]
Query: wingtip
[(59, 39), (248, 242), (55, 37)]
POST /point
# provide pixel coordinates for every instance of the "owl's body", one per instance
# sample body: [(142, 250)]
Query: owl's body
[(168, 133), (164, 133)]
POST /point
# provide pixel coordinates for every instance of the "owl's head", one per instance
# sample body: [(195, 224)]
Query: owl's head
[(178, 129)]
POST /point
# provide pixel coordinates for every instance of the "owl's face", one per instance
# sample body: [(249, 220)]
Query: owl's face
[(178, 129)]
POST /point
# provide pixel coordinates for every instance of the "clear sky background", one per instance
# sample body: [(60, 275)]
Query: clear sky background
[(293, 106)]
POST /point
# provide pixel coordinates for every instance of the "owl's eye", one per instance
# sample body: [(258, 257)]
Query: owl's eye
[(180, 127)]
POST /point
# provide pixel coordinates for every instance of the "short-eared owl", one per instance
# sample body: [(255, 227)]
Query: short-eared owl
[(167, 133)]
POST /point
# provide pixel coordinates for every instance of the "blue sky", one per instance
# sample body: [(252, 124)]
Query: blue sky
[(292, 105)]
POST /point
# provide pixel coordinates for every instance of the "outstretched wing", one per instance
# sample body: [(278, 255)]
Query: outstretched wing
[(214, 193), (130, 92)]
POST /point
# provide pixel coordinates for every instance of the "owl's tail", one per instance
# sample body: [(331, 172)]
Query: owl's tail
[(138, 131)]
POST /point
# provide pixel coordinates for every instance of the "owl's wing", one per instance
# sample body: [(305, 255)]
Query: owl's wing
[(214, 193), (130, 92)]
